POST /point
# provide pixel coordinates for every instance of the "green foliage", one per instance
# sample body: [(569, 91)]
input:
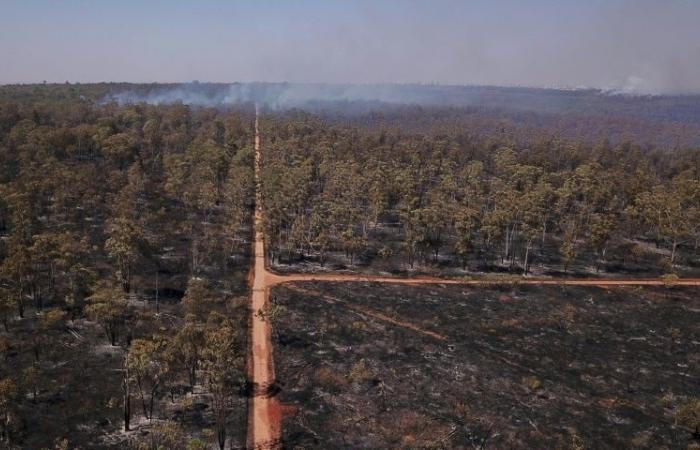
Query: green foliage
[(688, 415), (108, 307)]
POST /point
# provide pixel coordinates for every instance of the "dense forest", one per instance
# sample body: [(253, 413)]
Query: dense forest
[(124, 242), (392, 198)]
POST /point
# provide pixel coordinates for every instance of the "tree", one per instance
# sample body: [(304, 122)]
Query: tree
[(434, 220), (198, 298), (466, 227), (9, 393), (600, 230), (71, 262), (126, 388), (7, 307), (32, 379), (51, 322), (221, 357), (124, 245), (146, 364), (43, 254), (672, 210), (108, 307), (17, 270), (120, 148), (568, 250), (353, 244), (187, 348), (132, 200), (536, 203)]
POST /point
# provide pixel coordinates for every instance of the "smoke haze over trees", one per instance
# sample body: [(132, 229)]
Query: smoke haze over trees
[(631, 46)]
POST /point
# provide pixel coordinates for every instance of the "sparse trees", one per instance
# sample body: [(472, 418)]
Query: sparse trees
[(82, 184)]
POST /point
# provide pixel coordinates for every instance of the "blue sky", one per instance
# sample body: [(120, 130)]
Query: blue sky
[(639, 45)]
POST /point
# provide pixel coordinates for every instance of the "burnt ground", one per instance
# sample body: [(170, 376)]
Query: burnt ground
[(73, 390), (79, 392), (519, 366)]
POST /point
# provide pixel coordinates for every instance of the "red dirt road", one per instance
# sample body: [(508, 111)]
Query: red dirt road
[(264, 422), (601, 282), (264, 419)]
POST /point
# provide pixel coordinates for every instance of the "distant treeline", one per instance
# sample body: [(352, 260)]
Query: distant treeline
[(586, 111)]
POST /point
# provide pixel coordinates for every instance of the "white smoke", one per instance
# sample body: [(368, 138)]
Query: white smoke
[(632, 86), (286, 95)]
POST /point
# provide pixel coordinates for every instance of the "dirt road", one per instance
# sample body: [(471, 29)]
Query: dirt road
[(602, 282), (264, 423), (264, 420)]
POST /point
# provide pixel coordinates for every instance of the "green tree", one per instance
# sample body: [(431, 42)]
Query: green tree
[(147, 367), (672, 210), (198, 298), (124, 245), (108, 307), (221, 359), (187, 348)]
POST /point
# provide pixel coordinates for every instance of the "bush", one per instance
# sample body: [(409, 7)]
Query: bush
[(688, 415), (669, 279), (360, 372)]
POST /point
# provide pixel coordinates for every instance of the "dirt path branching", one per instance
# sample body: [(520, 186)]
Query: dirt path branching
[(265, 412)]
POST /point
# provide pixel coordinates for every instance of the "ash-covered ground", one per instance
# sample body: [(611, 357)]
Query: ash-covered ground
[(362, 365)]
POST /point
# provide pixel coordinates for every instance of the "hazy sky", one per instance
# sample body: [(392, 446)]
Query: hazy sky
[(639, 45)]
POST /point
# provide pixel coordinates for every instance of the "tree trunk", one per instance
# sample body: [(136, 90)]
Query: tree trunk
[(544, 233), (673, 251), (151, 403), (127, 399), (527, 253), (221, 433), (143, 401)]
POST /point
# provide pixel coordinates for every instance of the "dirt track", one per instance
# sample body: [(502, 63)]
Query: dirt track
[(264, 423), (340, 278)]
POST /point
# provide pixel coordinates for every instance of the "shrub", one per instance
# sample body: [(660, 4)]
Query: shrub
[(360, 372), (688, 415), (669, 279)]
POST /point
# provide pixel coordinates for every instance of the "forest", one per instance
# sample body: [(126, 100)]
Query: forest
[(123, 264), (466, 200), (126, 231)]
